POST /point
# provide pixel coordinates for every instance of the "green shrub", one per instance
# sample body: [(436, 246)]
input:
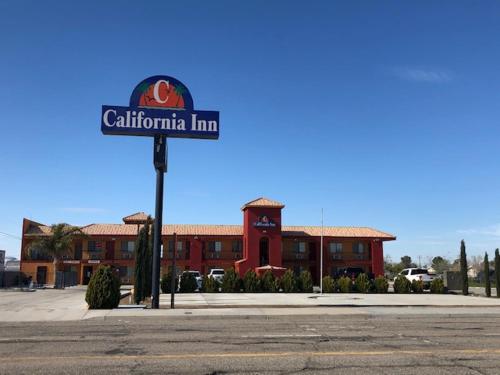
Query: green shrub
[(231, 282), (251, 282), (305, 282), (417, 286), (209, 284), (328, 284), (362, 283), (188, 283), (268, 283), (381, 284), (344, 284), (277, 285), (288, 282), (437, 286), (103, 291), (402, 285), (166, 282)]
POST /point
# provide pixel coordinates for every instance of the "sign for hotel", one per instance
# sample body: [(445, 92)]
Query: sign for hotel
[(160, 106), (264, 222)]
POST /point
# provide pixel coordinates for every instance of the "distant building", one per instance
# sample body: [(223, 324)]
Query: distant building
[(260, 243)]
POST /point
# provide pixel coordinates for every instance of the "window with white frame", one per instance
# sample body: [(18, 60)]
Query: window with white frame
[(335, 247), (358, 248), (300, 247), (127, 246)]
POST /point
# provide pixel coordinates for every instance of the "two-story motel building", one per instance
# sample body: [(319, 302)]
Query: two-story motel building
[(261, 241)]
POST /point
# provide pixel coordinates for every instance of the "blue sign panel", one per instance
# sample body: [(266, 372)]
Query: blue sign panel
[(160, 105)]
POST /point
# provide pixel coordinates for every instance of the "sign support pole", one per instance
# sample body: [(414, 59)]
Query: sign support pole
[(173, 274), (159, 161)]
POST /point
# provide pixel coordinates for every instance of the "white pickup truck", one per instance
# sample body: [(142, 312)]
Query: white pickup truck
[(418, 274)]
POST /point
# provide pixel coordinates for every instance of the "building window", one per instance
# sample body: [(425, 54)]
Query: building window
[(237, 246), (94, 246), (335, 247), (128, 246), (300, 247), (358, 248), (179, 246), (214, 246)]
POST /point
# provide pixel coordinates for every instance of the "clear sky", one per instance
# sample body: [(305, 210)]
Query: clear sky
[(386, 114)]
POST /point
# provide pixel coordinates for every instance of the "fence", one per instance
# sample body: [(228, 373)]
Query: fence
[(13, 279), (66, 279)]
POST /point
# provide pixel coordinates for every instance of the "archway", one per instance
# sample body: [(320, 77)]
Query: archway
[(263, 252)]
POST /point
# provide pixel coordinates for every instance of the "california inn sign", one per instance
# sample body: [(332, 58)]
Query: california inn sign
[(160, 105)]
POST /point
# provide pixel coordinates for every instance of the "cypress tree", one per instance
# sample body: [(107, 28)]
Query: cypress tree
[(487, 275), (497, 271), (463, 269), (139, 284)]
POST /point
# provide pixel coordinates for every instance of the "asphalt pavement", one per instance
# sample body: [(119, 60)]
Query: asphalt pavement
[(295, 344)]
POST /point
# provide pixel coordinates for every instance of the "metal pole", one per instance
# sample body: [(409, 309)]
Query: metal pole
[(159, 156), (321, 257), (173, 274)]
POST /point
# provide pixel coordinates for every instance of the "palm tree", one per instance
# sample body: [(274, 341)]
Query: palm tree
[(57, 244), (179, 90)]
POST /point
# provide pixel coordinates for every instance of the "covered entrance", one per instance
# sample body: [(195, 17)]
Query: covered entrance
[(263, 252)]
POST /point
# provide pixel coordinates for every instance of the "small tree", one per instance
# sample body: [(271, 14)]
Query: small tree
[(417, 286), (497, 271), (402, 285), (251, 282), (166, 282), (487, 287), (103, 291), (306, 283), (328, 284), (288, 282), (209, 284), (362, 283), (381, 284), (463, 269), (140, 272), (188, 283), (437, 286), (345, 284), (231, 281), (268, 282)]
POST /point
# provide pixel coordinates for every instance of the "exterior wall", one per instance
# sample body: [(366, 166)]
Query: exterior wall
[(196, 256)]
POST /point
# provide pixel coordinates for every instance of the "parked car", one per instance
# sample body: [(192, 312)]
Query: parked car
[(196, 275), (216, 274), (418, 274)]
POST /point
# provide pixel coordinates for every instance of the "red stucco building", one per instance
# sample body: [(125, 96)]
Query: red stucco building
[(261, 241)]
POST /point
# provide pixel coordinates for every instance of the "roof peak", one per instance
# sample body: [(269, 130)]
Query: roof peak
[(136, 218), (263, 202)]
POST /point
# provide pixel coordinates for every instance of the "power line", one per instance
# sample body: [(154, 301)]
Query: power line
[(11, 235)]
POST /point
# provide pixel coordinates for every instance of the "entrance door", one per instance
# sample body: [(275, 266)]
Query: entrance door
[(264, 251), (110, 250), (87, 273), (41, 275)]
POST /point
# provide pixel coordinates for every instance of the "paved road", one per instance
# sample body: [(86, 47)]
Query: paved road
[(359, 344)]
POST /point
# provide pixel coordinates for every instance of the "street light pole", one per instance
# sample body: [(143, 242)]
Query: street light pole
[(160, 164), (321, 256)]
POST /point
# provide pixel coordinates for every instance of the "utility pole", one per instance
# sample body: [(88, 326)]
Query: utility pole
[(321, 256), (160, 164)]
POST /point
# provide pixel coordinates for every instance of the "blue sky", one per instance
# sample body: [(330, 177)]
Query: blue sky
[(386, 114)]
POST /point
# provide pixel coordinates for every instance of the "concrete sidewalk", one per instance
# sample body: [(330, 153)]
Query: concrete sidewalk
[(69, 304)]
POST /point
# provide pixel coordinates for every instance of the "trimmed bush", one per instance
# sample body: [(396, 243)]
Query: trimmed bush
[(103, 291), (166, 282), (288, 282), (251, 282), (209, 284), (268, 283), (328, 284), (188, 283), (344, 284), (306, 283), (362, 283), (231, 282), (402, 285), (277, 285), (381, 284), (417, 286), (437, 286)]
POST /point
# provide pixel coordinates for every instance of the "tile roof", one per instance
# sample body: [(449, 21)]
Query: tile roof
[(138, 217), (220, 230), (263, 202)]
